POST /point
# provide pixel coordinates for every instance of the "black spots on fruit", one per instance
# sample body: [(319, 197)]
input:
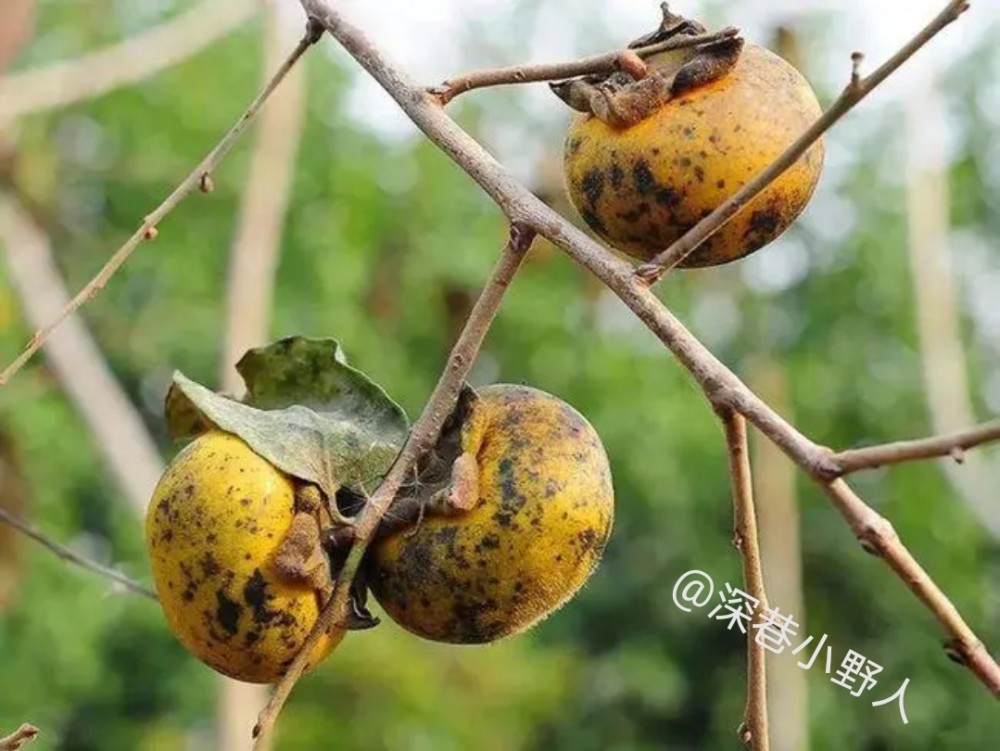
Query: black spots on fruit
[(511, 501), (573, 146), (763, 225), (688, 132), (489, 542), (590, 542), (593, 185), (642, 177), (668, 198), (227, 612), (255, 596), (245, 501), (720, 184), (699, 173), (209, 566), (471, 621), (634, 215), (593, 221), (617, 175)]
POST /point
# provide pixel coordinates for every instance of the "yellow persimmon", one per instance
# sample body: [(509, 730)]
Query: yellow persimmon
[(216, 530), (538, 509), (641, 185)]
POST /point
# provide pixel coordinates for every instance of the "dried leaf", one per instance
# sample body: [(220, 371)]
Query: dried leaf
[(307, 412)]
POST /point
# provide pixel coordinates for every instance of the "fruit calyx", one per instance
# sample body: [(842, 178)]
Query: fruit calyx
[(634, 92)]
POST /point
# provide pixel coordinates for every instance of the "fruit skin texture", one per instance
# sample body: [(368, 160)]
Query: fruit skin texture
[(213, 527), (532, 539), (640, 188)]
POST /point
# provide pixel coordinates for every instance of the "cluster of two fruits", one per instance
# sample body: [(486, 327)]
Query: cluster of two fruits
[(241, 568), (243, 556)]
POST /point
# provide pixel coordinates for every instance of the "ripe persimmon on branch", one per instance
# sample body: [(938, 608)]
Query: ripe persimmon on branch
[(721, 386), (528, 216), (422, 437)]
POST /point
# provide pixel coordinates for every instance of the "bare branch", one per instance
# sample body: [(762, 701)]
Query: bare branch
[(953, 445), (877, 537), (779, 521), (68, 81), (147, 231), (18, 738), (856, 90), (754, 728), (422, 438), (120, 435), (720, 385), (604, 63), (75, 558)]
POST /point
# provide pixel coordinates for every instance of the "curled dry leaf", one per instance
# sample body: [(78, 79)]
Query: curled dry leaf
[(307, 412)]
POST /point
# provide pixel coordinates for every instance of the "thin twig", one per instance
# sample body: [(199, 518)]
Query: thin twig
[(952, 445), (75, 558), (422, 438), (856, 90), (18, 738), (753, 731), (68, 81), (878, 537), (148, 228), (607, 62), (720, 384)]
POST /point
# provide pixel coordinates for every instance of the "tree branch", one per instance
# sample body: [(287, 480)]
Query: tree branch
[(754, 727), (75, 558), (720, 385), (422, 438), (69, 81), (953, 445), (878, 537), (18, 738), (147, 231), (608, 62), (856, 90)]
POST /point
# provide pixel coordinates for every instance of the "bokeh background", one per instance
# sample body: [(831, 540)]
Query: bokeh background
[(875, 318)]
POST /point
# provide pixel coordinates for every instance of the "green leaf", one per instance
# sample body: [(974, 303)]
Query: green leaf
[(306, 411)]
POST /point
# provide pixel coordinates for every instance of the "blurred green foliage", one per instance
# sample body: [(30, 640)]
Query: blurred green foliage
[(385, 248)]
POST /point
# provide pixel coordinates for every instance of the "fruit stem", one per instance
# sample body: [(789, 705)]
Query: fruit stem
[(602, 64)]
